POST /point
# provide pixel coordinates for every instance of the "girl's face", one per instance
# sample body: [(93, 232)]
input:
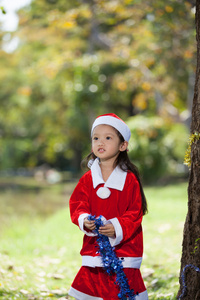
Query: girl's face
[(106, 144)]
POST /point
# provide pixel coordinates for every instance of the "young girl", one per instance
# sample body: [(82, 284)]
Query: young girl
[(111, 189)]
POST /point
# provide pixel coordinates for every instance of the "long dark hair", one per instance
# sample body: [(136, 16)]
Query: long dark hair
[(125, 164)]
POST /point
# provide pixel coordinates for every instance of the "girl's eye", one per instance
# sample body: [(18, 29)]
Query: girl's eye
[(108, 137), (95, 138)]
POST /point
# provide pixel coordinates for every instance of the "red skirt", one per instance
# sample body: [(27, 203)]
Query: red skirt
[(95, 282)]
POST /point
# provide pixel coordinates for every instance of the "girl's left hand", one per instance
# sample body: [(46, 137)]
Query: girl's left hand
[(107, 230)]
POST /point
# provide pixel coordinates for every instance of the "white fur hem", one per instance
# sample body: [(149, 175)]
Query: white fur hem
[(142, 296), (82, 296), (96, 261)]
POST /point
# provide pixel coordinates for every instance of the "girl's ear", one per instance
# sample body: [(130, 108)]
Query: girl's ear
[(123, 146)]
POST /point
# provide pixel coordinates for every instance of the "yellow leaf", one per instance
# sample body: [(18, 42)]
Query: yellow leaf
[(122, 86), (86, 13), (25, 91), (150, 62), (127, 2), (74, 15), (169, 9), (146, 86), (188, 54), (68, 24), (140, 101)]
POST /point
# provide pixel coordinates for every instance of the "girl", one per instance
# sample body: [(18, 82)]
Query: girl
[(112, 189)]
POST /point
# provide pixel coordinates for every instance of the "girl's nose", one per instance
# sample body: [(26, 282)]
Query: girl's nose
[(100, 141)]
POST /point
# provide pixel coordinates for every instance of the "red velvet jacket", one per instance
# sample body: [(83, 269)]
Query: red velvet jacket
[(123, 208)]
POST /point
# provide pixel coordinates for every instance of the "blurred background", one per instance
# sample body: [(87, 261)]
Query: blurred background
[(65, 62), (62, 63)]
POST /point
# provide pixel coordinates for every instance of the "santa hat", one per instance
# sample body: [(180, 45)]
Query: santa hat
[(114, 121)]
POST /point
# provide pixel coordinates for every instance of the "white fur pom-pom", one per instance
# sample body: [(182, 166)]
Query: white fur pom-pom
[(103, 192)]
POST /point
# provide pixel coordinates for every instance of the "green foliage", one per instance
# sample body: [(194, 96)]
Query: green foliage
[(157, 146), (2, 10), (78, 59), (196, 246)]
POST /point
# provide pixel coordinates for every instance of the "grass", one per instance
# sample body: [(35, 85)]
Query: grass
[(39, 247), (163, 230)]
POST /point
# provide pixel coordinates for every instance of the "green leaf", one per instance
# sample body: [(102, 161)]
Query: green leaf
[(3, 10)]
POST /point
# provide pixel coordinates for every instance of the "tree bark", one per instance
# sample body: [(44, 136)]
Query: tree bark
[(191, 234)]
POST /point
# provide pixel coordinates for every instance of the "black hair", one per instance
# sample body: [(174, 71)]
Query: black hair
[(123, 161)]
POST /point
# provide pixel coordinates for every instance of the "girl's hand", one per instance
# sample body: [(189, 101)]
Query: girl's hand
[(107, 230), (89, 224)]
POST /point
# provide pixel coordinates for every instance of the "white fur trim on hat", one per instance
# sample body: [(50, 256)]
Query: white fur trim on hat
[(114, 121)]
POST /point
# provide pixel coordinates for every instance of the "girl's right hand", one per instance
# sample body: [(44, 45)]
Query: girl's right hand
[(89, 224)]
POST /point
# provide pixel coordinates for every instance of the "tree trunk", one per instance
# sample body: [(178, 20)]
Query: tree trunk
[(191, 235)]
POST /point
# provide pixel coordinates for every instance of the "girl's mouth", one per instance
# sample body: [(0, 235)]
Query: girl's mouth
[(101, 150)]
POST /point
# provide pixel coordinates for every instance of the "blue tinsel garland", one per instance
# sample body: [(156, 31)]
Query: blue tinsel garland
[(112, 264), (183, 278)]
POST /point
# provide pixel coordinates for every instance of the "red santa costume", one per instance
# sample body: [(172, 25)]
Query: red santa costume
[(118, 200)]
